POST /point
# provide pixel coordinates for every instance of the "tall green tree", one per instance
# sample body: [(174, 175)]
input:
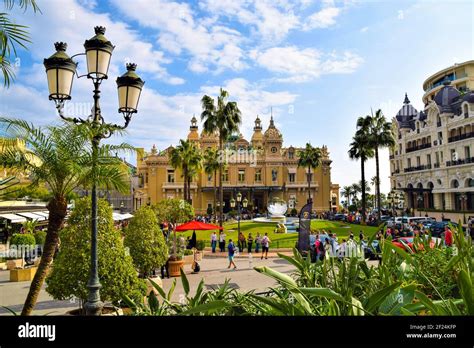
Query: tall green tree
[(211, 166), (309, 158), (70, 271), (380, 135), (145, 240), (61, 158), (188, 158), (225, 118), (12, 36), (360, 150), (346, 192)]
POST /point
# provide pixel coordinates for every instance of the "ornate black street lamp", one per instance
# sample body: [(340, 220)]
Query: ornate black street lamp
[(240, 203), (60, 70)]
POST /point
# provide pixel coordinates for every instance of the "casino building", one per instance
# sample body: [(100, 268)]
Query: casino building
[(433, 160), (260, 170)]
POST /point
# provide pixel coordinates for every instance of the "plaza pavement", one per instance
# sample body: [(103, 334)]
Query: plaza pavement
[(213, 270)]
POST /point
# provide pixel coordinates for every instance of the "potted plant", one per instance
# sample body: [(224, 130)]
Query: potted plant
[(200, 245), (188, 257), (20, 244), (174, 211)]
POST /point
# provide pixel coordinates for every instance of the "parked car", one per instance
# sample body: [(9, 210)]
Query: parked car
[(401, 242), (340, 217), (437, 228)]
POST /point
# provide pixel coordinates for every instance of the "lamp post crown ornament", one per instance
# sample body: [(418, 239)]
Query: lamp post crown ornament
[(60, 46), (99, 40)]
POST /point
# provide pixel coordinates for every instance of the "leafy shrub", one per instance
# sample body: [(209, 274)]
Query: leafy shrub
[(188, 252), (40, 237), (23, 239), (429, 271), (200, 244), (70, 271), (145, 240)]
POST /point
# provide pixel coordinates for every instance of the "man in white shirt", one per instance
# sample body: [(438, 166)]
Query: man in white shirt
[(213, 241), (222, 241)]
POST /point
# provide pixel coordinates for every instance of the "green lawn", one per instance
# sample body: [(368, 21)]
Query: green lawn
[(286, 240)]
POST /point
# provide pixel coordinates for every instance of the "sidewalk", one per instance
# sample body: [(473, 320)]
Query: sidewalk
[(271, 254)]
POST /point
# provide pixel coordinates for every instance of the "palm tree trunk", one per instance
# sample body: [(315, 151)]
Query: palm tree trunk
[(215, 195), (221, 193), (185, 188), (377, 184), (189, 189), (309, 184), (362, 175), (57, 213)]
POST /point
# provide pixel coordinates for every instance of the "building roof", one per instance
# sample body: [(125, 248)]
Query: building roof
[(447, 98), (407, 114), (272, 132)]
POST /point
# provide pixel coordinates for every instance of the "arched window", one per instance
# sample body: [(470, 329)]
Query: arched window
[(454, 184), (470, 182)]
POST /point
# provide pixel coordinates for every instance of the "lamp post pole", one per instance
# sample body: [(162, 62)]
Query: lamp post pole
[(60, 71)]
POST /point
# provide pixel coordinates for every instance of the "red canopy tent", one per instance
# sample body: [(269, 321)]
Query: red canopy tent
[(196, 226)]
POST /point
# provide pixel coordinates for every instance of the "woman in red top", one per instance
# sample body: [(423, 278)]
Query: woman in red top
[(448, 237)]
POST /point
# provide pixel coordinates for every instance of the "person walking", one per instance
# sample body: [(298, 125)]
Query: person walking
[(231, 252), (448, 236), (265, 246), (249, 243), (213, 241), (258, 242), (222, 241)]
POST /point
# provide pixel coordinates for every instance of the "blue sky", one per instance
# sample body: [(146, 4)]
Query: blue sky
[(319, 64)]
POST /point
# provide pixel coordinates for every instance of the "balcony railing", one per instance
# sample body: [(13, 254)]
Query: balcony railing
[(300, 184), (419, 147), (397, 171), (461, 137), (415, 169), (460, 162)]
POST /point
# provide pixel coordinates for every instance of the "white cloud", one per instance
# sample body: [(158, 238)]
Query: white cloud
[(322, 19), (210, 46), (68, 21), (364, 29), (302, 65)]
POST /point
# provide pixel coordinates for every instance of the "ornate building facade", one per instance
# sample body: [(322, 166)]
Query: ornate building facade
[(433, 160), (260, 169)]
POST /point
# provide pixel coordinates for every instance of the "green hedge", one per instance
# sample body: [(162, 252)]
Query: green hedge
[(23, 239), (40, 237)]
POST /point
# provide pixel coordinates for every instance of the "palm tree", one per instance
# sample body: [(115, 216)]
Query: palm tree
[(354, 190), (225, 117), (61, 158), (211, 166), (346, 191), (361, 150), (187, 157), (380, 135), (309, 158), (11, 35)]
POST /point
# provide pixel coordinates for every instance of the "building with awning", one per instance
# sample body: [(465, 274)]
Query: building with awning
[(121, 217), (13, 218)]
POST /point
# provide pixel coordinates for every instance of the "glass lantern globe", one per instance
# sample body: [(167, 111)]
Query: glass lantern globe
[(60, 70)]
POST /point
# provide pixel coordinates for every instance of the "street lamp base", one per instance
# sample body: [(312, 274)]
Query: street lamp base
[(94, 308)]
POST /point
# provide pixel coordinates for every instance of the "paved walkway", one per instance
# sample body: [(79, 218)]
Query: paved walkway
[(13, 295), (214, 271)]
